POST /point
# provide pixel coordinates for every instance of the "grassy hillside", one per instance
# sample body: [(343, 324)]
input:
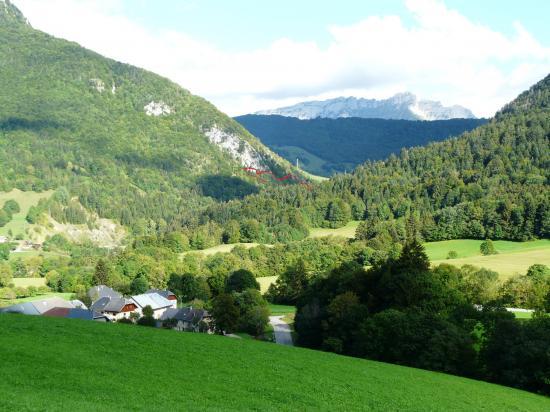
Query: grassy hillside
[(506, 264), (347, 231), (469, 248), (18, 224), (512, 258), (56, 364)]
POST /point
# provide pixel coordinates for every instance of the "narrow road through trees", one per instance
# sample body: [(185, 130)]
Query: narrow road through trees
[(281, 331)]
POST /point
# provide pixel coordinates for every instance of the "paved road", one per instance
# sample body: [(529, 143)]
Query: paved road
[(281, 330)]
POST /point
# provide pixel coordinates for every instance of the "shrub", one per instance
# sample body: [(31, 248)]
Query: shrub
[(11, 207), (7, 293), (148, 312), (147, 321), (240, 280), (452, 254), (487, 248)]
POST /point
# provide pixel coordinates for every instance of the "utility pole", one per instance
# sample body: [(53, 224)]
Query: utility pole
[(297, 164)]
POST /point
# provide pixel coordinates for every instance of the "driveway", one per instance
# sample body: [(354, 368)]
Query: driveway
[(281, 331)]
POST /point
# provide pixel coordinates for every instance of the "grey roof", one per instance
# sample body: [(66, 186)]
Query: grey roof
[(38, 307), (184, 314), (99, 305), (154, 300), (26, 308), (108, 304), (46, 304), (117, 304), (163, 293), (101, 291), (78, 304)]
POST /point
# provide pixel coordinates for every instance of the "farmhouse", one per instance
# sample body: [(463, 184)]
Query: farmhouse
[(158, 303), (114, 308), (186, 319)]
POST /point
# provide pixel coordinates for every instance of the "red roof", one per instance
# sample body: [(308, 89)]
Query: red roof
[(57, 312)]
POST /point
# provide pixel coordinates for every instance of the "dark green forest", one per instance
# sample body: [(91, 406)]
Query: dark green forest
[(491, 182), (445, 319), (346, 143)]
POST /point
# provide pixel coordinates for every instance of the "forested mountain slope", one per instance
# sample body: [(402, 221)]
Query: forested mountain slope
[(132, 145), (344, 143), (492, 182)]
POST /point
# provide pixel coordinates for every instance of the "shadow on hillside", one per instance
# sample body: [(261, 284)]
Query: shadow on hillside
[(16, 123), (225, 188)]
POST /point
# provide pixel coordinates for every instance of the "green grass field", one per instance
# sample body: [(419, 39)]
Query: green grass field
[(523, 315), (265, 282), (61, 364), (513, 257), (221, 248), (18, 224), (468, 248), (281, 309), (314, 178), (34, 253), (347, 231), (313, 164), (26, 282)]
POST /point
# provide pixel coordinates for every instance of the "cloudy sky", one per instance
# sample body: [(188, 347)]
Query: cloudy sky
[(248, 55)]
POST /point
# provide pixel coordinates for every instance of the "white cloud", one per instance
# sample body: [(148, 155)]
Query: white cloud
[(442, 56)]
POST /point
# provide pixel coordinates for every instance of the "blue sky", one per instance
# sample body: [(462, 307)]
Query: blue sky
[(246, 55)]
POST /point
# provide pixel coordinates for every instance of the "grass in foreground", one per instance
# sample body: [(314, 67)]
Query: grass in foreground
[(61, 364)]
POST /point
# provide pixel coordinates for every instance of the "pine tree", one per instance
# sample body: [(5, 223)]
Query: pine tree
[(101, 274)]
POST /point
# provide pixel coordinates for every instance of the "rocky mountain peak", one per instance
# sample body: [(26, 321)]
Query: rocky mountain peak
[(405, 106)]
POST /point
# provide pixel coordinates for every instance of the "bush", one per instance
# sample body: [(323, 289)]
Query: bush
[(452, 254), (148, 312), (11, 207), (241, 280), (255, 320), (139, 285), (147, 321), (7, 293), (487, 248), (21, 292)]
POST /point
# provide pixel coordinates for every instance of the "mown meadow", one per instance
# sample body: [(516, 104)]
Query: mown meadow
[(57, 364)]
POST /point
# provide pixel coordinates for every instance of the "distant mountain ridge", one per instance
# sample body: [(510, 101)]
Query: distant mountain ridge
[(402, 106)]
